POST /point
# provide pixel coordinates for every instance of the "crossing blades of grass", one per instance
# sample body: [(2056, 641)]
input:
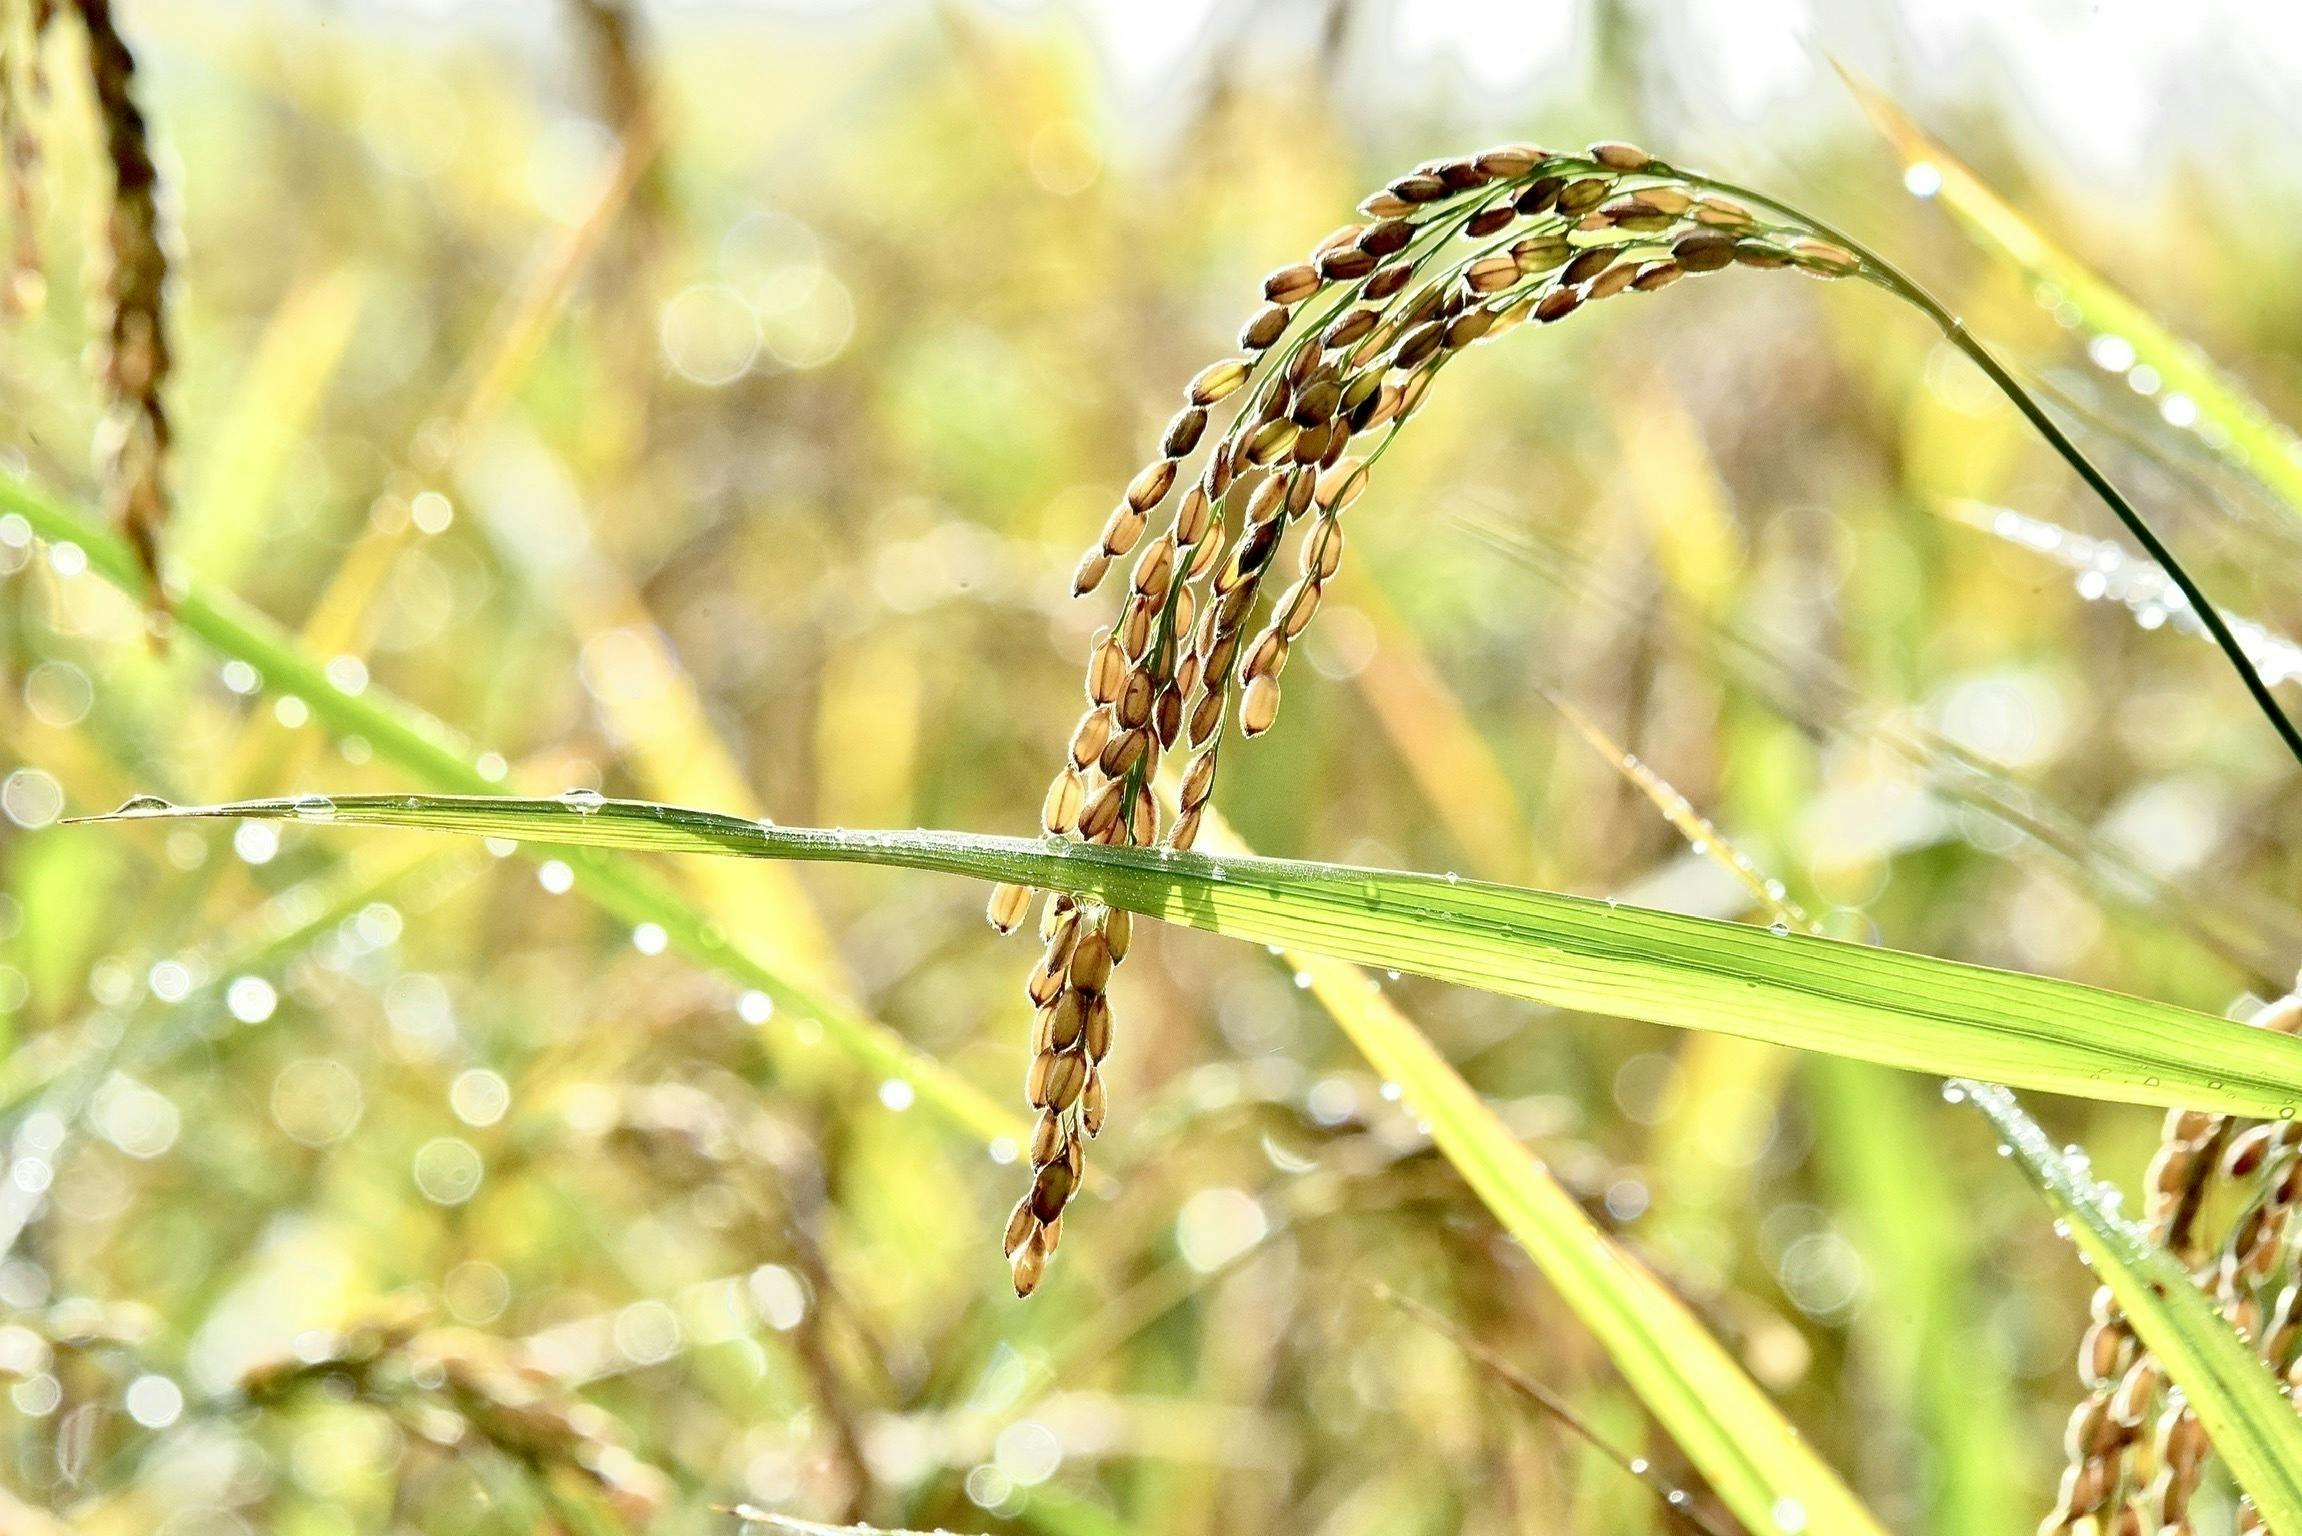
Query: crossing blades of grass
[(1770, 1478), (2195, 393), (1880, 1005), (2201, 1352), (2249, 1421), (434, 754)]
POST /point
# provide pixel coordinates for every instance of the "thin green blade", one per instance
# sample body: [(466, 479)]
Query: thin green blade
[(2252, 1425), (2242, 429), (1880, 1005)]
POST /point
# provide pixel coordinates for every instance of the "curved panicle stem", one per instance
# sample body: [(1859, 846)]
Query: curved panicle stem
[(1885, 274)]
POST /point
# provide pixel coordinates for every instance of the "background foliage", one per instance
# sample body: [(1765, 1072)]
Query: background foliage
[(750, 475)]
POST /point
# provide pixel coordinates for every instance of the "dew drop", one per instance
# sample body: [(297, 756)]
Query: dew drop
[(582, 801), (315, 808), (1779, 929), (142, 805)]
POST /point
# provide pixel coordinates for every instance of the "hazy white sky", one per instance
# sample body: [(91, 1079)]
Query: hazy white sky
[(2114, 91), (2111, 85)]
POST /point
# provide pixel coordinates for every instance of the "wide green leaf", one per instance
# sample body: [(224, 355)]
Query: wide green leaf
[(1815, 994)]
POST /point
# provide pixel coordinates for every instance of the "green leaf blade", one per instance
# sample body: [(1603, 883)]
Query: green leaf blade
[(1904, 1010)]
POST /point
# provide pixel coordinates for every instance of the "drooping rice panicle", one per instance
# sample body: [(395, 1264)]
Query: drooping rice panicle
[(1344, 345)]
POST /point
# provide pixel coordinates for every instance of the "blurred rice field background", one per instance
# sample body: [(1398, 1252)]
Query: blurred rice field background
[(707, 403)]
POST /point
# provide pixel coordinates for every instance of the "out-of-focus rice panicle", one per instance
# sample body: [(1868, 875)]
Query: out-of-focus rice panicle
[(133, 355)]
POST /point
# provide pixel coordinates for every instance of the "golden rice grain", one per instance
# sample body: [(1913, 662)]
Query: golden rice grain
[(1259, 706), (1291, 285), (1218, 381), (1008, 906), (1264, 328), (1066, 794)]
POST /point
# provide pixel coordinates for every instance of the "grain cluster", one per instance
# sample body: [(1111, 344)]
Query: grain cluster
[(2135, 1451), (1277, 441)]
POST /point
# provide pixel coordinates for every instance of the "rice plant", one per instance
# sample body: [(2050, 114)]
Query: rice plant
[(1540, 1144)]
